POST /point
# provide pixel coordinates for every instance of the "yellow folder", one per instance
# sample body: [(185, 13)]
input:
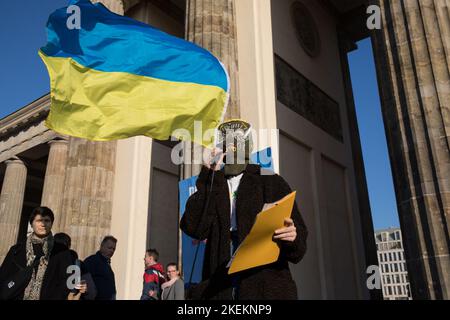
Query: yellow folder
[(258, 248)]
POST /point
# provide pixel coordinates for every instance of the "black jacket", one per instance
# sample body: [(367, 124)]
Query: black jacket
[(273, 281), (54, 286), (103, 276)]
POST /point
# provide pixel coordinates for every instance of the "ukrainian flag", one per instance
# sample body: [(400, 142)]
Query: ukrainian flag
[(116, 77)]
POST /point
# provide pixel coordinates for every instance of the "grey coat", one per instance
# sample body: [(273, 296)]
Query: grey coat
[(174, 292)]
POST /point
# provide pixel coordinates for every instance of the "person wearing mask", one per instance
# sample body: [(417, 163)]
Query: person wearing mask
[(231, 191)]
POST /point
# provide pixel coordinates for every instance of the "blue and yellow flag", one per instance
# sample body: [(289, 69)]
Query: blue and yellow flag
[(115, 77)]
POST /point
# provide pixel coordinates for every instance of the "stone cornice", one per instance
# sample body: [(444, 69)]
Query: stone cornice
[(28, 115), (350, 15)]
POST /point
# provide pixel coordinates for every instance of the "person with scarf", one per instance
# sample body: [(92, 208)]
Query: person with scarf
[(173, 289), (50, 261)]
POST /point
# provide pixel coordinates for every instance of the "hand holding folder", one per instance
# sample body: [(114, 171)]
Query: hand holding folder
[(258, 248)]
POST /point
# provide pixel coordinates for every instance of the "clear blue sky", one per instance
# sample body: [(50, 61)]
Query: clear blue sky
[(24, 79), (373, 138)]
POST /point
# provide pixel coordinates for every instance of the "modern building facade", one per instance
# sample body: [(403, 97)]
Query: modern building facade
[(392, 263)]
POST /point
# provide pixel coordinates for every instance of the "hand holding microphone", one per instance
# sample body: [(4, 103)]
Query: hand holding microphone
[(213, 158)]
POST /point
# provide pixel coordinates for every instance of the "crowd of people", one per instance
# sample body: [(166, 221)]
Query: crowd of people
[(44, 267), (231, 191)]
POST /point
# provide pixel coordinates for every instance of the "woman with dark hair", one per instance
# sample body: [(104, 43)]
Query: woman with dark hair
[(37, 268)]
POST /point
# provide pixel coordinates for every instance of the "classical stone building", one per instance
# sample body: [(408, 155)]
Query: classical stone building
[(289, 71), (412, 53)]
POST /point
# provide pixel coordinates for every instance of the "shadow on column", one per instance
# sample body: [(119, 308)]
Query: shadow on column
[(35, 160)]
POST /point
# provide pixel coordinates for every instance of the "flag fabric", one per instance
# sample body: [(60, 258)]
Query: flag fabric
[(115, 77)]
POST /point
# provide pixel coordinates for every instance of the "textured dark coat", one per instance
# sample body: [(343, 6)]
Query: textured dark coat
[(54, 286), (273, 281)]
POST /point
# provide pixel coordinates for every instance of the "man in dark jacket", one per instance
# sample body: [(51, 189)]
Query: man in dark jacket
[(238, 193), (99, 266), (50, 260)]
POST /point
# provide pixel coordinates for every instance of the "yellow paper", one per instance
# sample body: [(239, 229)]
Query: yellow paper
[(258, 248)]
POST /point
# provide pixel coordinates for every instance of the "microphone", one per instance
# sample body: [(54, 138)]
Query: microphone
[(215, 160)]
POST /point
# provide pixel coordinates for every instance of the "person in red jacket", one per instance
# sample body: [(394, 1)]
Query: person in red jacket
[(153, 276)]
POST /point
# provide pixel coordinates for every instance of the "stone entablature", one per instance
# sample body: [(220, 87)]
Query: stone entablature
[(25, 129)]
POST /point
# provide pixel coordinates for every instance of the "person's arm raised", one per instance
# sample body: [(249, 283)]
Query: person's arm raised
[(200, 208)]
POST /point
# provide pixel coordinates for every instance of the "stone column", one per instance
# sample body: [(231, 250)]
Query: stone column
[(413, 58), (87, 199), (11, 203), (53, 191), (212, 25)]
